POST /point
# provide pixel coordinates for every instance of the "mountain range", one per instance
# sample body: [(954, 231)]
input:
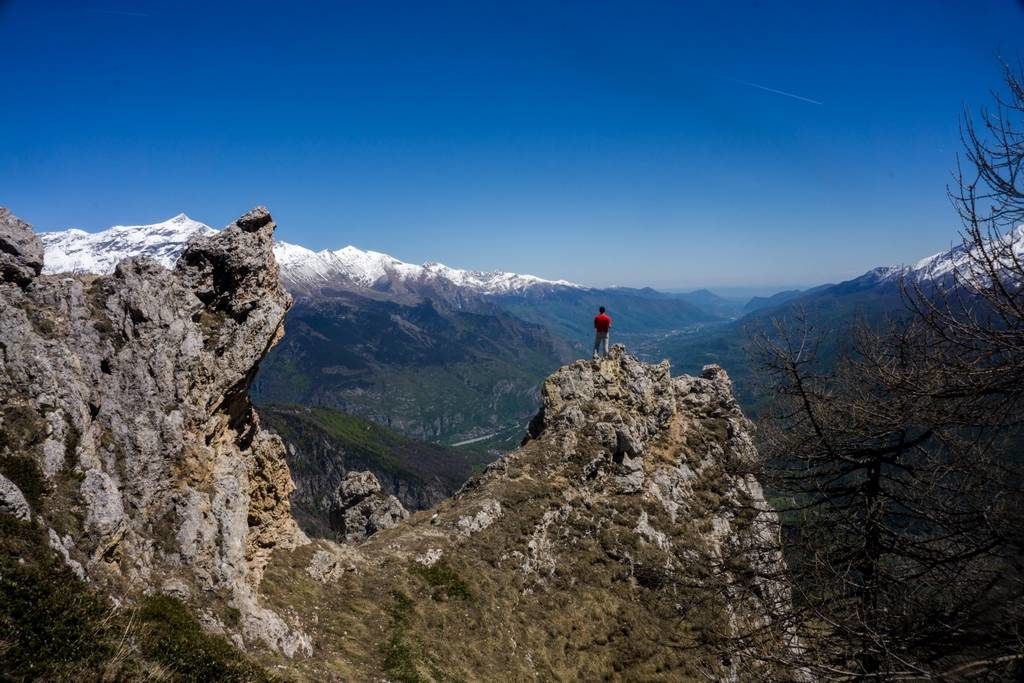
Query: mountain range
[(434, 352), (303, 270), (833, 309), (455, 356), (309, 274)]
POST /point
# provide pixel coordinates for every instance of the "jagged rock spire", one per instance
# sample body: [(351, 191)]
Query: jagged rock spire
[(21, 252)]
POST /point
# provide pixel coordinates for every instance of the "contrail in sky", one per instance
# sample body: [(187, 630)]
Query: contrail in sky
[(779, 92), (121, 12)]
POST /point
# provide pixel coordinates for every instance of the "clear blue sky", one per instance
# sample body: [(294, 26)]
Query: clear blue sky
[(609, 143)]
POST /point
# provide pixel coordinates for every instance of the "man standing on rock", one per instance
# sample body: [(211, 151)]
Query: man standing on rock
[(602, 323)]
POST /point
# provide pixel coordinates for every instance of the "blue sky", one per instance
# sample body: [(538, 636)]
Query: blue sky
[(608, 143)]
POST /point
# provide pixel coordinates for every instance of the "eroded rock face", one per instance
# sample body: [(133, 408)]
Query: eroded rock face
[(361, 510), (129, 393), (627, 539)]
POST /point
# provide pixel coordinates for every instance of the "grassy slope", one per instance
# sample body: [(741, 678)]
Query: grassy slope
[(55, 627)]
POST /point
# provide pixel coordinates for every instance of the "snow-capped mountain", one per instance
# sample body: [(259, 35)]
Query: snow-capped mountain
[(303, 270), (77, 251), (957, 259)]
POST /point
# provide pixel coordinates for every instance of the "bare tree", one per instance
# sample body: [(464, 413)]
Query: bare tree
[(902, 461)]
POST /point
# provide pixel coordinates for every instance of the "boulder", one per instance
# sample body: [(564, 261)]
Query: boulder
[(12, 500), (361, 510)]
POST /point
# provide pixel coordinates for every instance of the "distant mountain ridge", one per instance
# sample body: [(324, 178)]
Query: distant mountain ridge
[(561, 305), (833, 309), (78, 251), (943, 264), (303, 270), (446, 355)]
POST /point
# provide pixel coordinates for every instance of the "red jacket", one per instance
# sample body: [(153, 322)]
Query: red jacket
[(602, 322)]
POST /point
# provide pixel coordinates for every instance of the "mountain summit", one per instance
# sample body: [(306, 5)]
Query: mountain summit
[(77, 251)]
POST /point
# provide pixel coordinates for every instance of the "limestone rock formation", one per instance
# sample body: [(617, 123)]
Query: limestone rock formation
[(21, 252), (361, 509), (124, 406), (626, 539)]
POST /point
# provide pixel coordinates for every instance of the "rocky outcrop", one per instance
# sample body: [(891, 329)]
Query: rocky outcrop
[(21, 252), (124, 404), (627, 539), (361, 509)]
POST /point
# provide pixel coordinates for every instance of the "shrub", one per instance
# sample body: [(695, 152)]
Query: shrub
[(51, 621), (442, 575)]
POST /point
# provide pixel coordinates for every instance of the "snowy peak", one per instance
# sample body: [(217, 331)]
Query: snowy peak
[(302, 269), (956, 259), (77, 251)]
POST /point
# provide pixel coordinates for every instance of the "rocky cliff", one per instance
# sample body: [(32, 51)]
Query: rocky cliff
[(126, 427)]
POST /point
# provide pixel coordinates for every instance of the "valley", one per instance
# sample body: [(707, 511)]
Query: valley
[(274, 539), (324, 445)]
